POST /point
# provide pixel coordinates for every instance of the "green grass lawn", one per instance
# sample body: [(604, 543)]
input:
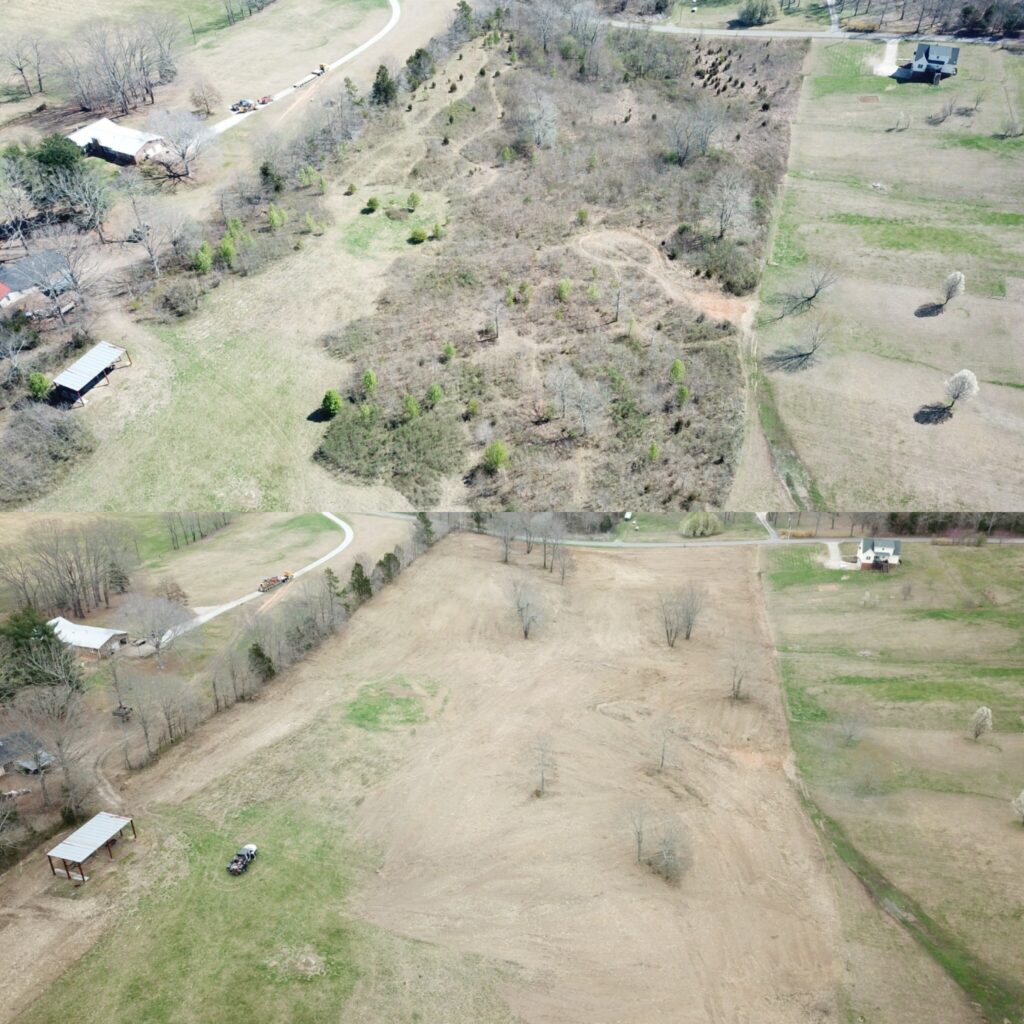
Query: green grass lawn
[(388, 704)]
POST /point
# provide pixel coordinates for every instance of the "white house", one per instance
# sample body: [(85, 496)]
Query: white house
[(874, 553), (100, 643), (116, 142)]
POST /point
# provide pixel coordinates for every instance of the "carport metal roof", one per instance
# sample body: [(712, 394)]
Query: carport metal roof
[(86, 369), (84, 842)]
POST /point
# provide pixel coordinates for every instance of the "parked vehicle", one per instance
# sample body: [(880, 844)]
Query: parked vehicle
[(239, 864), (243, 107), (264, 100)]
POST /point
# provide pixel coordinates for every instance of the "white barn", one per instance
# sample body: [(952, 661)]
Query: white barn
[(93, 640), (117, 143)]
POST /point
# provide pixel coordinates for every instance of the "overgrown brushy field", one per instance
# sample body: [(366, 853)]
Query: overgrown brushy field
[(892, 186), (550, 315), (882, 675)]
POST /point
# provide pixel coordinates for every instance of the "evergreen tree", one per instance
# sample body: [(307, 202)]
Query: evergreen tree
[(385, 91)]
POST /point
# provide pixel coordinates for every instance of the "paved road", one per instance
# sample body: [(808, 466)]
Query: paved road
[(235, 119), (780, 33)]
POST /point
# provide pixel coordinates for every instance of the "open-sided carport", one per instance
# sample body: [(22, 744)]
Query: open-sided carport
[(101, 830)]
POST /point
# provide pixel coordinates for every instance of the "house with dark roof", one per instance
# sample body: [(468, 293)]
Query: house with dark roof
[(21, 751), (45, 272), (934, 61), (875, 553)]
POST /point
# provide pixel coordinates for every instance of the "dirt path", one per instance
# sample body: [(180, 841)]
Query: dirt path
[(618, 248)]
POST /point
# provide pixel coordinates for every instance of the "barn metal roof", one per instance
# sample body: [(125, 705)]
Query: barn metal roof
[(77, 635), (84, 842), (78, 375), (113, 137)]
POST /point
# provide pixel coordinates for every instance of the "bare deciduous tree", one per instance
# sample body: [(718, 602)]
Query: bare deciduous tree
[(86, 193), (527, 610), (185, 136), (205, 97), (727, 198), (799, 355), (563, 561), (544, 761), (953, 287), (981, 722), (736, 686), (1018, 805), (820, 280), (637, 821), (961, 387), (160, 621)]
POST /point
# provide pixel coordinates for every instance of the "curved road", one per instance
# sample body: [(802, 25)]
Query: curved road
[(235, 119)]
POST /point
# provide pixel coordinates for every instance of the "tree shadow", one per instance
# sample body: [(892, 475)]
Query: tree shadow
[(929, 309), (789, 359), (319, 415), (930, 415)]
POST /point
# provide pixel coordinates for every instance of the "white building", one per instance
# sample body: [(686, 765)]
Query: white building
[(117, 143), (98, 642), (874, 553)]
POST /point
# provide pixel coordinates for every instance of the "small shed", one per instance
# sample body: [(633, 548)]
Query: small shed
[(92, 640), (102, 830), (876, 553), (23, 752), (94, 366), (117, 143)]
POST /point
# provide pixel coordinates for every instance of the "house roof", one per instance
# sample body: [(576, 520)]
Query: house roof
[(35, 271), (18, 745), (89, 637), (83, 370), (116, 138), (873, 543), (5, 290), (937, 54), (85, 841)]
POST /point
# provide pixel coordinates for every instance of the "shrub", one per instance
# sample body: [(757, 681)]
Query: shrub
[(275, 217), (495, 456), (582, 217), (369, 383), (682, 394), (270, 178), (472, 408), (732, 266), (39, 386), (678, 371), (413, 201), (563, 290), (700, 524), (418, 236), (260, 664), (410, 407), (181, 297), (373, 204), (227, 252), (438, 232), (202, 258), (448, 352), (351, 190), (654, 452), (434, 395), (331, 404), (758, 12)]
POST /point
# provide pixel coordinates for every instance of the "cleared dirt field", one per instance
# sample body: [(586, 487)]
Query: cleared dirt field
[(893, 212), (882, 676), (406, 750)]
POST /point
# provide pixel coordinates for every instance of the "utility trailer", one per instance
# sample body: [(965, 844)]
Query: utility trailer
[(275, 581)]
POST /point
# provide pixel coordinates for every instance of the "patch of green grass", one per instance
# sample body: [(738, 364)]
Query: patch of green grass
[(383, 705), (896, 233), (846, 72), (209, 947), (1001, 218), (905, 689), (987, 144), (787, 249), (311, 522), (999, 998)]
